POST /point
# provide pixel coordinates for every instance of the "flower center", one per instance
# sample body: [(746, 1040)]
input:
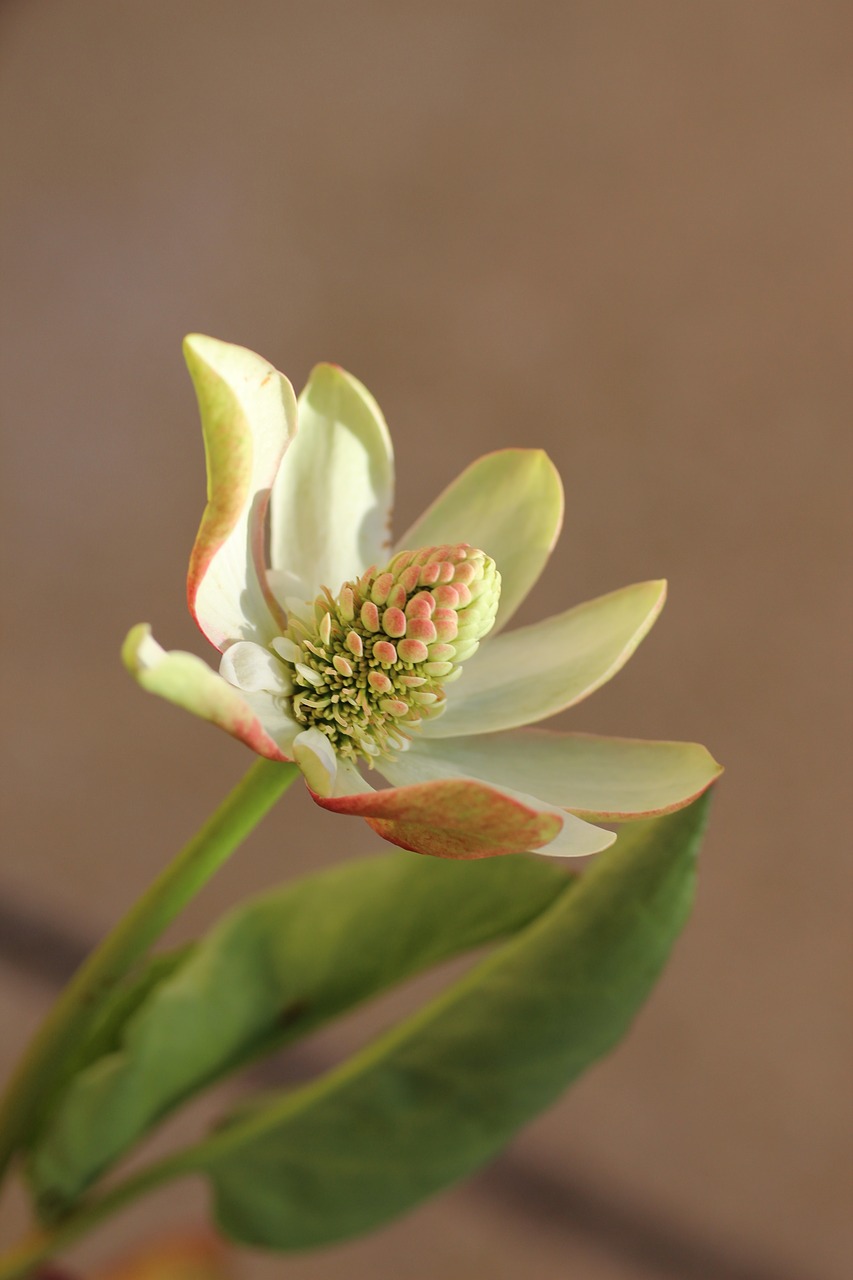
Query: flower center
[(380, 652)]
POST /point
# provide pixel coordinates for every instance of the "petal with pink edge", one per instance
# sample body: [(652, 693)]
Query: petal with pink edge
[(610, 779), (185, 680), (331, 502), (510, 505), (534, 672), (465, 818), (248, 416)]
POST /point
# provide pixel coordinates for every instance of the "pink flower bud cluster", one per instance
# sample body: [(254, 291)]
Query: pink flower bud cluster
[(380, 653)]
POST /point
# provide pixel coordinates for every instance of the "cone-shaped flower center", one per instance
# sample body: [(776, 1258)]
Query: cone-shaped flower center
[(379, 654)]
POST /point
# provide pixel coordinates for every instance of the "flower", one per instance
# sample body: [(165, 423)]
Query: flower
[(351, 655)]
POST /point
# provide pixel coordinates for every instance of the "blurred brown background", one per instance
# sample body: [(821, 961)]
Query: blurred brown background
[(618, 230)]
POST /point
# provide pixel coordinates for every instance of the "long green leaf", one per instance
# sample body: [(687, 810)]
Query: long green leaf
[(441, 1093), (271, 971), (106, 1034)]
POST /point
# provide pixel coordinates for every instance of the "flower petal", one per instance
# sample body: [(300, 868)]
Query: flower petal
[(316, 757), (254, 669), (609, 779), (331, 501), (465, 818), (537, 671), (349, 782), (510, 505), (577, 839), (184, 679), (248, 415)]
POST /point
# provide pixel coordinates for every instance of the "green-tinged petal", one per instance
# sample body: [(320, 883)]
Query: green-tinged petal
[(537, 671), (184, 679), (331, 501), (465, 818), (577, 839), (510, 505), (315, 756), (606, 778), (349, 781), (248, 415)]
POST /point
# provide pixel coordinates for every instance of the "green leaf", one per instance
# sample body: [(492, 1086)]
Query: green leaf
[(271, 971), (105, 1036), (437, 1096)]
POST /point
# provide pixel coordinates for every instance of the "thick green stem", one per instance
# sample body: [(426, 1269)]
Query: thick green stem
[(77, 1007)]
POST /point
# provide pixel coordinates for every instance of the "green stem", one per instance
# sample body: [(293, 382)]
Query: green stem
[(42, 1245), (78, 1005)]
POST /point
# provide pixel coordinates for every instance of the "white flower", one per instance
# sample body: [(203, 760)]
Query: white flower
[(361, 659)]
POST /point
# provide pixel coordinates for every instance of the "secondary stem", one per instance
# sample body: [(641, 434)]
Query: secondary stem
[(42, 1245), (78, 1005)]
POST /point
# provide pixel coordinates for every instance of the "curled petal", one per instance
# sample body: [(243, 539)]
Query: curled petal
[(316, 758), (331, 501), (609, 779), (465, 818), (510, 505), (577, 839), (248, 415), (184, 679), (534, 672), (255, 669)]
